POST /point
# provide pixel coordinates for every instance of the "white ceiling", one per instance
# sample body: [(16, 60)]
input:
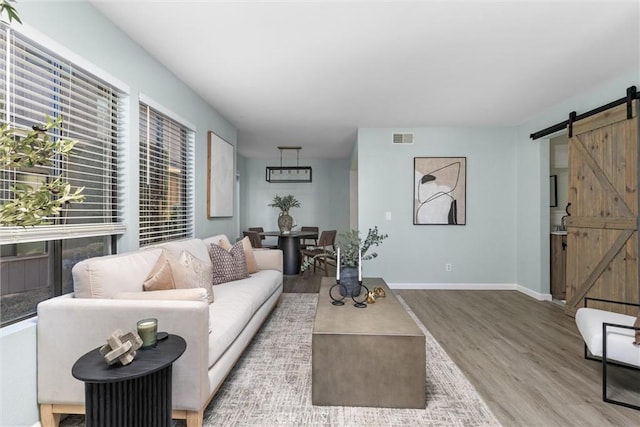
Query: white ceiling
[(310, 73)]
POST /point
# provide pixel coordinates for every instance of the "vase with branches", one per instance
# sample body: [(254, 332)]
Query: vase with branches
[(353, 250), (284, 203)]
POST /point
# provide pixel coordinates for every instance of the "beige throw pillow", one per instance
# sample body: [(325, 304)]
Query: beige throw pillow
[(225, 245), (183, 273), (228, 265), (200, 276), (161, 277), (252, 266)]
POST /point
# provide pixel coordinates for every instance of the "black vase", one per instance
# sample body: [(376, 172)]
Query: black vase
[(349, 278)]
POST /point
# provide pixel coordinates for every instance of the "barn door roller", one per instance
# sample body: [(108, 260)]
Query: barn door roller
[(632, 94)]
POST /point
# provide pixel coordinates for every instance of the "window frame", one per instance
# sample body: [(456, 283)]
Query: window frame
[(189, 186), (52, 236)]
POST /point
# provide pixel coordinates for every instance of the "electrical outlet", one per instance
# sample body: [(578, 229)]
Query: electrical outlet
[(387, 216), (448, 267)]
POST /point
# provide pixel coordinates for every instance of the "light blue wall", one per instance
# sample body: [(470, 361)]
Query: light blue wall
[(324, 201), (78, 27), (483, 250), (18, 399), (532, 178)]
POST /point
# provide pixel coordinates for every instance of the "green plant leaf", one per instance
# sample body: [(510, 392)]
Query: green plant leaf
[(20, 148), (12, 13)]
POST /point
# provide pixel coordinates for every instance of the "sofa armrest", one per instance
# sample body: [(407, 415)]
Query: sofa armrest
[(69, 327), (268, 259)]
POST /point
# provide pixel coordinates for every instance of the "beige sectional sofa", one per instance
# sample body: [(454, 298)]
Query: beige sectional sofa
[(108, 295)]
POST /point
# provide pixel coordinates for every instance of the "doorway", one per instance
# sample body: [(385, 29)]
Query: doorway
[(558, 196)]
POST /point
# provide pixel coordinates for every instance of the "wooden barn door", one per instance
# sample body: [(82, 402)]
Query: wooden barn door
[(602, 231)]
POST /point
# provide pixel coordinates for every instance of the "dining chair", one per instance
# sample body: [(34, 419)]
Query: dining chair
[(323, 254), (305, 242), (254, 238), (261, 230)]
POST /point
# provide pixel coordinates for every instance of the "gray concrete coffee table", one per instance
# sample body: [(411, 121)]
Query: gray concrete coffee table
[(372, 356)]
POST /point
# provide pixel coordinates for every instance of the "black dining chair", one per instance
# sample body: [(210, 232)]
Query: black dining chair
[(261, 230), (254, 238), (323, 254), (308, 242)]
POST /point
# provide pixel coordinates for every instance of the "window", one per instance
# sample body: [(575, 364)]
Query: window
[(35, 82), (166, 147)]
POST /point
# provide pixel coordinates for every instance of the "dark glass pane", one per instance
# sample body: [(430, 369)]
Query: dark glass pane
[(25, 278), (76, 250), (27, 273)]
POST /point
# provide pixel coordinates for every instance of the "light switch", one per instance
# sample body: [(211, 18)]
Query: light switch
[(387, 216)]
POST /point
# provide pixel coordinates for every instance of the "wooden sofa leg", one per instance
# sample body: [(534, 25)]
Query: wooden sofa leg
[(195, 418), (47, 417)]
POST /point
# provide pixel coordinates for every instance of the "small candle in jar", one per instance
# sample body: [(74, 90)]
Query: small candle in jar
[(148, 330)]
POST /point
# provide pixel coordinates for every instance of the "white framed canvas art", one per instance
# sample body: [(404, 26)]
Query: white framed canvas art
[(220, 177)]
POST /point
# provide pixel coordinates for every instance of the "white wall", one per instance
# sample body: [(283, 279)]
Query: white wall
[(79, 28), (483, 250)]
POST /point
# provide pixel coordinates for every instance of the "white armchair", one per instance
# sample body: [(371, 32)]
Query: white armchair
[(609, 337)]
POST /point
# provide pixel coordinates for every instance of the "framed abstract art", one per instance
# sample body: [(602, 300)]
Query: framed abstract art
[(220, 179), (439, 192)]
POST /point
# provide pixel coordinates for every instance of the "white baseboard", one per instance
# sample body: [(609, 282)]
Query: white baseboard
[(472, 287), (533, 294)]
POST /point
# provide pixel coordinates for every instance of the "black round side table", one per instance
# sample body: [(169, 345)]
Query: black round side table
[(135, 395)]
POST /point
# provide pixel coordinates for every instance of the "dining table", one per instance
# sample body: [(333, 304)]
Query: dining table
[(289, 243)]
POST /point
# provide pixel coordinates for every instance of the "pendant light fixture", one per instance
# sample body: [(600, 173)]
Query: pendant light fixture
[(295, 173)]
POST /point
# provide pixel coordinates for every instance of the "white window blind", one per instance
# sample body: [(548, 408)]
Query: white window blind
[(166, 177), (34, 83)]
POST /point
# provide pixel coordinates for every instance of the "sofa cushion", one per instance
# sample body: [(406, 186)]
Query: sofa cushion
[(195, 247), (219, 239), (236, 303), (193, 294), (228, 265), (105, 276)]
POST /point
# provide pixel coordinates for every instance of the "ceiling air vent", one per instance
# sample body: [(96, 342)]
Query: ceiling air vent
[(402, 138)]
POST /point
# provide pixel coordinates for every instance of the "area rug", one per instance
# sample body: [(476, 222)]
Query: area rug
[(271, 383)]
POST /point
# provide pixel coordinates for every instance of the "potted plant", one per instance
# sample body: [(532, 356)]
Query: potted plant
[(285, 221), (21, 149), (354, 250)]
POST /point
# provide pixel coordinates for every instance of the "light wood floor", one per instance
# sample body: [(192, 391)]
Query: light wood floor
[(524, 357)]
